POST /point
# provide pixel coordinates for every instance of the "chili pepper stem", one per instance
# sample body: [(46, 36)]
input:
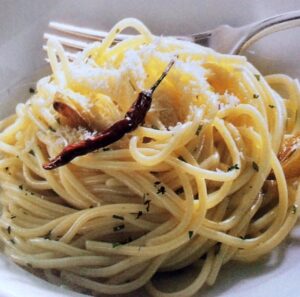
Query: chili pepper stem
[(156, 84)]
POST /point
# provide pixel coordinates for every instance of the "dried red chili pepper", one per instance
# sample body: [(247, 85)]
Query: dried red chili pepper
[(133, 118)]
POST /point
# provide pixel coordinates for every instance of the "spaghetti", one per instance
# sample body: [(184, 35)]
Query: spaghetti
[(200, 181)]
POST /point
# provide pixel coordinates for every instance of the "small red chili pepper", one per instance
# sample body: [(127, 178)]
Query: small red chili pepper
[(133, 118)]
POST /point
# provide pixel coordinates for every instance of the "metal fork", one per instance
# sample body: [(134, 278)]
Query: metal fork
[(224, 39)]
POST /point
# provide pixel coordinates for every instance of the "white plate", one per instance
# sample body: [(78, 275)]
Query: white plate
[(22, 24)]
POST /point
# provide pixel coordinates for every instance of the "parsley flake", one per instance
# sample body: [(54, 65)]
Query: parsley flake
[(255, 166), (21, 187), (31, 90), (31, 152), (161, 190), (139, 214), (118, 217), (272, 106), (9, 229), (235, 166), (198, 130), (147, 203), (191, 233), (179, 191), (257, 76), (255, 96)]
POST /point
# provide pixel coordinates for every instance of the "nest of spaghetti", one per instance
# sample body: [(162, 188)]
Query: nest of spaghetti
[(209, 173)]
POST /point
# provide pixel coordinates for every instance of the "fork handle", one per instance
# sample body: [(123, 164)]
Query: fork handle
[(256, 31)]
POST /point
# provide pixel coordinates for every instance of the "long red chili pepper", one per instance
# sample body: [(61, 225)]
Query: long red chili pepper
[(133, 118)]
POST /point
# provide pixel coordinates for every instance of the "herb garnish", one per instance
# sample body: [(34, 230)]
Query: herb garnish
[(235, 166), (12, 241), (191, 234), (139, 214), (118, 217), (147, 203), (272, 106), (257, 76), (179, 191), (31, 152), (31, 90), (9, 229), (52, 129), (161, 190), (12, 217), (198, 130), (255, 96), (255, 166), (105, 149), (21, 187)]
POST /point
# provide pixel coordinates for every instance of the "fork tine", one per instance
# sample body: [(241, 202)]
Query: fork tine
[(71, 56), (67, 41), (84, 32)]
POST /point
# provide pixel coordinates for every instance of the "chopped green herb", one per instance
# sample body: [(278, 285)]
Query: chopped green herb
[(12, 217), (21, 187), (105, 149), (52, 129), (139, 214), (198, 130), (9, 229), (272, 106), (147, 203), (118, 217), (255, 166), (118, 228), (116, 244), (235, 166), (31, 152), (12, 241), (161, 190), (31, 90), (117, 30), (255, 96), (294, 208), (157, 183), (257, 76), (179, 191), (242, 237), (191, 234)]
